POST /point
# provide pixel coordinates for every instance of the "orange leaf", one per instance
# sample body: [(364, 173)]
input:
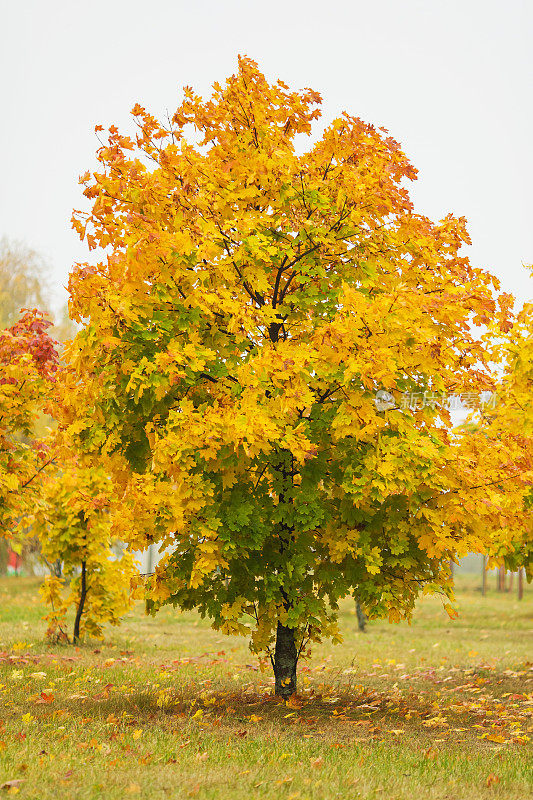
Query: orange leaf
[(45, 699)]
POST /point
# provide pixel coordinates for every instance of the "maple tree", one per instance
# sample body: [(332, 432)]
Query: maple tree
[(501, 439), (253, 301), (28, 363), (66, 508), (72, 519)]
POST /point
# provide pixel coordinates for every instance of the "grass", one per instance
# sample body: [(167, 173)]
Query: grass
[(167, 708)]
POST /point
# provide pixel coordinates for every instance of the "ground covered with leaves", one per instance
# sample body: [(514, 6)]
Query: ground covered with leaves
[(166, 707)]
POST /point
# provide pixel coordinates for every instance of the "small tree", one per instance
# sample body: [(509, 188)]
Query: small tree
[(28, 367), (73, 524), (500, 436), (253, 302)]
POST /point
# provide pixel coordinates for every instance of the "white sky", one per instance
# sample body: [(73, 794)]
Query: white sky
[(450, 79)]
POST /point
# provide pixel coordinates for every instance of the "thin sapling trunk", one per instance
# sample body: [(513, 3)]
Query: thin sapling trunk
[(81, 603)]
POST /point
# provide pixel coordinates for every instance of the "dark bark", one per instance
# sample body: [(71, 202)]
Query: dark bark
[(361, 617), (81, 604), (285, 654), (285, 661), (501, 579), (57, 568)]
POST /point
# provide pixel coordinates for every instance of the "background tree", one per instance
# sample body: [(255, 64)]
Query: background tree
[(253, 302), (73, 523), (23, 281)]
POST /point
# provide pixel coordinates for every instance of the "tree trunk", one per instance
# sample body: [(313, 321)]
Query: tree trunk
[(520, 583), (3, 557), (285, 661), (79, 611), (501, 579), (361, 618), (484, 577)]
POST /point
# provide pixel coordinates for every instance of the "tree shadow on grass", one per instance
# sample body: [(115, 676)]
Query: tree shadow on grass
[(477, 704), (360, 715)]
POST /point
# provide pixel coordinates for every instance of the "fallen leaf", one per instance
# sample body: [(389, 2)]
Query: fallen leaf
[(45, 698), (492, 779), (294, 702), (317, 762)]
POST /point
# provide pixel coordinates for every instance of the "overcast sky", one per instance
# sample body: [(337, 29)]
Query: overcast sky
[(450, 79)]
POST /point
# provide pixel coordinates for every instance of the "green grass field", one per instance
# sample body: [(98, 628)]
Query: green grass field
[(167, 708)]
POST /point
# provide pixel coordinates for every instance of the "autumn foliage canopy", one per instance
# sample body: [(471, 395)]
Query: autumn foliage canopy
[(250, 300)]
